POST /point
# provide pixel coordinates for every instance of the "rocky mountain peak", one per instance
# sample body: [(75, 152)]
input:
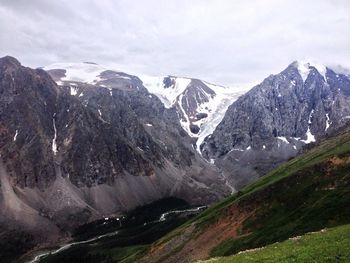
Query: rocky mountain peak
[(8, 64), (276, 118), (9, 61)]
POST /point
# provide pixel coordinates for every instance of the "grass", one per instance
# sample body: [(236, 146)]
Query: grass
[(307, 201), (306, 194), (323, 246)]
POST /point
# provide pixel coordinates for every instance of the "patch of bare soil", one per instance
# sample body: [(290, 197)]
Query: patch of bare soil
[(185, 249)]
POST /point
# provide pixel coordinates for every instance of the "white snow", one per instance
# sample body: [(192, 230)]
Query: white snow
[(81, 94), (216, 108), (166, 95), (327, 122), (99, 112), (15, 137), (148, 124), (293, 82), (54, 145), (284, 139), (304, 69), (184, 123), (73, 91), (248, 148), (309, 136), (80, 72), (264, 147)]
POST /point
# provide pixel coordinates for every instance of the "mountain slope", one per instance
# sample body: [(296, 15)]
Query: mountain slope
[(79, 151), (306, 194), (200, 105), (274, 120), (327, 245)]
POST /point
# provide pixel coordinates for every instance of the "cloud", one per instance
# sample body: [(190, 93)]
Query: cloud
[(224, 41)]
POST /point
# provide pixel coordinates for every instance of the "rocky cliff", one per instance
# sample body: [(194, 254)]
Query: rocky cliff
[(275, 119)]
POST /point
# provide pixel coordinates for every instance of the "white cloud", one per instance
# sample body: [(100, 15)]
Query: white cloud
[(223, 41)]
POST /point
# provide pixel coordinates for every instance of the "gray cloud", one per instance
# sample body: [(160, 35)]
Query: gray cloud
[(223, 41)]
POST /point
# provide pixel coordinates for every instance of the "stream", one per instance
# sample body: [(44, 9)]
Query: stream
[(163, 217)]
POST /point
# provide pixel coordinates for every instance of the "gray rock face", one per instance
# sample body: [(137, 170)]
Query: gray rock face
[(200, 106), (85, 150), (271, 122)]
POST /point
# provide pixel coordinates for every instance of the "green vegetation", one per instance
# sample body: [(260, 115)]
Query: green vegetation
[(84, 254), (328, 245), (135, 217), (335, 146), (308, 193), (132, 240)]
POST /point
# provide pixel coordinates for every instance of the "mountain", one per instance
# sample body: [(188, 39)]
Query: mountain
[(309, 193), (87, 148), (275, 119), (200, 105)]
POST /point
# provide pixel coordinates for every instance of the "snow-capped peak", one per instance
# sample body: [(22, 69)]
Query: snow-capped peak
[(304, 69), (80, 72)]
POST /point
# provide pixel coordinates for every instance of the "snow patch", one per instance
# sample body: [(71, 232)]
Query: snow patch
[(304, 69), (110, 91), (148, 124), (328, 123), (216, 108), (168, 95), (73, 91), (309, 136), (184, 123), (79, 72), (284, 139), (15, 137), (54, 145)]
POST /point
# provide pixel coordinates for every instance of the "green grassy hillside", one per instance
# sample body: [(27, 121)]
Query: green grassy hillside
[(327, 245), (306, 194)]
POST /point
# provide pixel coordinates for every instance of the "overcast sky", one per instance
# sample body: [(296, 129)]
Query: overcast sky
[(224, 42)]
